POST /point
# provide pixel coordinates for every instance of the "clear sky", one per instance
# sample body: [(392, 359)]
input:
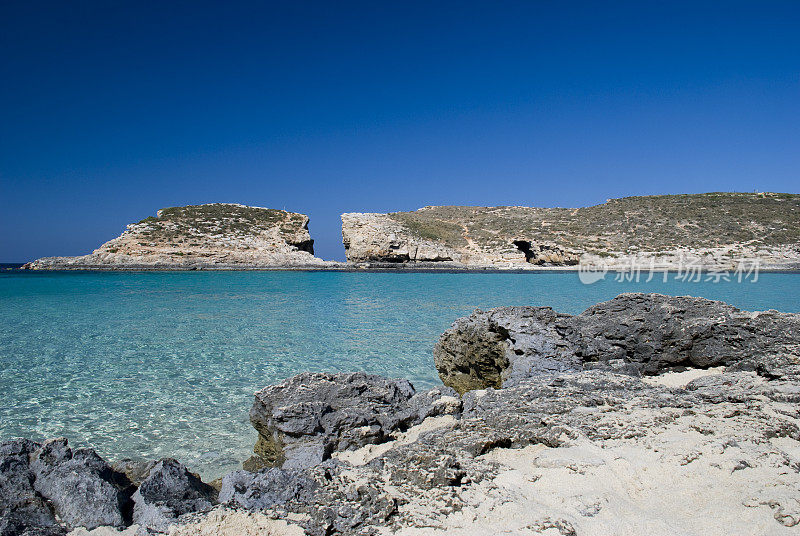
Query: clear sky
[(112, 110)]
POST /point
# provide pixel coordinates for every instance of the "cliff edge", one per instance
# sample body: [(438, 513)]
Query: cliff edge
[(714, 230), (216, 235)]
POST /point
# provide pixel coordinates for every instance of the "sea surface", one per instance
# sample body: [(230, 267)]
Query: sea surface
[(154, 364)]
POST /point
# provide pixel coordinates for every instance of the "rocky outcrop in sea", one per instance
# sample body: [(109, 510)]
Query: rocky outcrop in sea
[(646, 414), (212, 236), (715, 231), (736, 232)]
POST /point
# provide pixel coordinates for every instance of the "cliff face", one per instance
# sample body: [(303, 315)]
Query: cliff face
[(713, 230), (197, 236), (378, 237)]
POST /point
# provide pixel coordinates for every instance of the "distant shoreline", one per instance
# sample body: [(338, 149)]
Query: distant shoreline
[(400, 268)]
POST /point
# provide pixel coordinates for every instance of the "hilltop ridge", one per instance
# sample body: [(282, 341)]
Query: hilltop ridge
[(713, 228), (711, 231), (203, 236)]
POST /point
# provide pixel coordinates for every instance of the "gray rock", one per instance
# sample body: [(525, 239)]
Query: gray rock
[(269, 487), (302, 420), (82, 487), (655, 332), (488, 348), (632, 334), (434, 402), (10, 527), (22, 508), (134, 470), (168, 492)]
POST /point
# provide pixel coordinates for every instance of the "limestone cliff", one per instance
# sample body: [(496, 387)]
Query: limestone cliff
[(215, 235), (711, 230)]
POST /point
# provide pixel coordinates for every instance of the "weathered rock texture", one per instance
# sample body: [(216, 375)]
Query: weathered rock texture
[(21, 506), (48, 488), (170, 491), (301, 421), (716, 230), (82, 487), (217, 235), (633, 333), (42, 484)]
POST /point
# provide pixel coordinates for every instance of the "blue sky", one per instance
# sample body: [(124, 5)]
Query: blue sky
[(111, 110)]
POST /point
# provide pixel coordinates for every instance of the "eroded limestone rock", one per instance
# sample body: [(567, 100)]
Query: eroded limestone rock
[(216, 235), (21, 506), (302, 420), (714, 230), (83, 489), (169, 492), (633, 333)]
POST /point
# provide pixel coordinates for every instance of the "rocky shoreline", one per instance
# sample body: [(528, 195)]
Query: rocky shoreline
[(200, 237), (705, 232), (646, 414), (712, 231)]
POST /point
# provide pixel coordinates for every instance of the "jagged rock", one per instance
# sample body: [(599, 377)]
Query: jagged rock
[(22, 508), (134, 470), (10, 527), (216, 235), (655, 332), (82, 487), (633, 333), (168, 492), (487, 348), (269, 487), (302, 420), (434, 402)]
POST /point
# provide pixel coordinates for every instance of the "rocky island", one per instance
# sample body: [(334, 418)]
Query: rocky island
[(665, 232), (713, 230), (646, 414), (212, 236)]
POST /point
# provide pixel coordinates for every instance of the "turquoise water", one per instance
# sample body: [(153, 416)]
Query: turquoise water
[(166, 363)]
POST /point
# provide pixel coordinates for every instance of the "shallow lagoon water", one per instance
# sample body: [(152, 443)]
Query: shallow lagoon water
[(154, 364)]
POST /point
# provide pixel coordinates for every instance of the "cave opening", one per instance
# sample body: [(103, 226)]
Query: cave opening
[(525, 247)]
